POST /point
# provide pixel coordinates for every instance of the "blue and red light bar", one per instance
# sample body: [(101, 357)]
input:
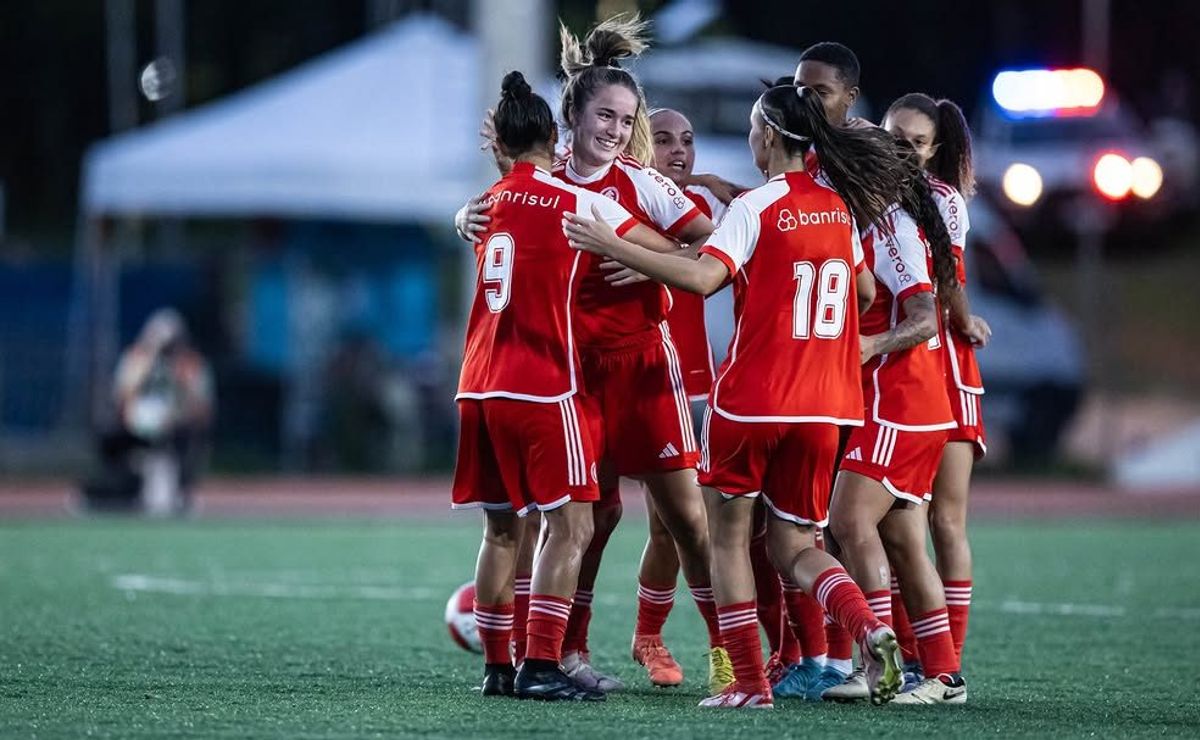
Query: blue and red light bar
[(1048, 92)]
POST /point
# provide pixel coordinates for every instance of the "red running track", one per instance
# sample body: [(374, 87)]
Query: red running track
[(428, 498)]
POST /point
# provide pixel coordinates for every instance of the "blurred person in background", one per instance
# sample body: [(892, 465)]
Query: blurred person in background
[(356, 431), (153, 452)]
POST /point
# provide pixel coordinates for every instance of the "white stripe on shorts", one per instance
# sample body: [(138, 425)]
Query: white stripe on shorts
[(705, 460), (885, 445), (682, 405), (576, 465)]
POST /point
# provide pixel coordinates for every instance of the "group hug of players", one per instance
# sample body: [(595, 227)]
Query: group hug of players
[(839, 432)]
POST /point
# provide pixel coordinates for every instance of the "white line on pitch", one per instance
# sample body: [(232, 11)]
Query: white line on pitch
[(140, 582), (137, 582), (1105, 611)]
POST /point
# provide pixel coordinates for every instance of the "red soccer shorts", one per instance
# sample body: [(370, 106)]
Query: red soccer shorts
[(791, 464), (904, 462), (518, 455), (638, 406), (970, 420)]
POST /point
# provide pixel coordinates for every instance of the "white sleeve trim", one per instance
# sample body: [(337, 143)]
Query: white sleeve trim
[(738, 233)]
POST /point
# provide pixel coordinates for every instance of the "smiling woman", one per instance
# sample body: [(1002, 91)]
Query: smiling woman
[(602, 104), (625, 341)]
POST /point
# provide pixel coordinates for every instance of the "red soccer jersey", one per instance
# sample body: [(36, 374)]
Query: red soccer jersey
[(686, 318), (793, 251), (961, 365), (608, 314), (906, 389), (520, 341)]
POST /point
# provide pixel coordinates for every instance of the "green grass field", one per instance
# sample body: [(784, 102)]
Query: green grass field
[(334, 629)]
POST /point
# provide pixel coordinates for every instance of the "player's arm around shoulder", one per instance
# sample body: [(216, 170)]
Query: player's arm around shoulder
[(594, 235), (471, 220)]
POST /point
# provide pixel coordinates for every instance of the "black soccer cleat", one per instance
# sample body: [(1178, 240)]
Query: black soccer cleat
[(498, 680), (551, 685)]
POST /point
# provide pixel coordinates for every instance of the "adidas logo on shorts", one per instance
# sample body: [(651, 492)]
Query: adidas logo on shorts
[(855, 454), (668, 451)]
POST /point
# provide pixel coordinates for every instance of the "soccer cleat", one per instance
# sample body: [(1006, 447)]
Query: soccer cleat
[(797, 680), (829, 678), (884, 671), (947, 688), (720, 670), (732, 698), (854, 688), (649, 651), (577, 665), (913, 675), (551, 685), (498, 680)]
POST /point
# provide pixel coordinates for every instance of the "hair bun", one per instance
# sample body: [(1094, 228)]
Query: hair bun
[(619, 37), (514, 86), (607, 46)]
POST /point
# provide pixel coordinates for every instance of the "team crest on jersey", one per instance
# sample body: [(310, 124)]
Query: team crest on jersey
[(611, 193)]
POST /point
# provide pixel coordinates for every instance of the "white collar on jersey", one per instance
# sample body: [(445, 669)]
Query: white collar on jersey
[(579, 179)]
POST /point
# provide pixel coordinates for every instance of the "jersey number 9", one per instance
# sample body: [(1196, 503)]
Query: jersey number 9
[(832, 287), (498, 255)]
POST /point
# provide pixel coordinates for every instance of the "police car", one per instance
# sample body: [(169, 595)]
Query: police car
[(1048, 136)]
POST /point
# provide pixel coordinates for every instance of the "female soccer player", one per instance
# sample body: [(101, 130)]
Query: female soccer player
[(791, 243), (833, 71), (624, 340), (525, 438), (941, 141), (675, 155), (887, 471)]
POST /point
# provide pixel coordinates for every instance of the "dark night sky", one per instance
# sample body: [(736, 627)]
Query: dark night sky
[(952, 48), (52, 98)]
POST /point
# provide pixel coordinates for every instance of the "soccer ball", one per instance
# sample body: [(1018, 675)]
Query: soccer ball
[(460, 618)]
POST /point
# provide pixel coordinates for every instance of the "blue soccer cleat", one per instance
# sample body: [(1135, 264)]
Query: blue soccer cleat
[(799, 676)]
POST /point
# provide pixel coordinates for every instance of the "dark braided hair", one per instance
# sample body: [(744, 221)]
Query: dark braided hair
[(862, 164), (523, 119), (917, 200), (952, 162)]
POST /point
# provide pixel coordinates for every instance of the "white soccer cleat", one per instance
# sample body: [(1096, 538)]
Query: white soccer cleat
[(943, 689), (854, 688), (884, 670), (577, 666), (731, 698)]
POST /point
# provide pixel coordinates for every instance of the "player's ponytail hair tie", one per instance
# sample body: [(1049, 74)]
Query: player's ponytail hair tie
[(515, 87), (617, 38)]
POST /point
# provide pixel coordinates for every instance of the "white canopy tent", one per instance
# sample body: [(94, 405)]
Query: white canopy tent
[(383, 129)]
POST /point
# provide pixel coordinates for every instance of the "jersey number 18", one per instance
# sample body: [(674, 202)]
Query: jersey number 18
[(824, 317)]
